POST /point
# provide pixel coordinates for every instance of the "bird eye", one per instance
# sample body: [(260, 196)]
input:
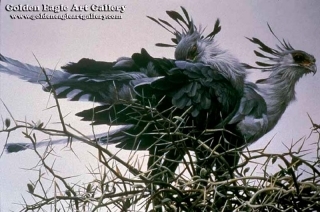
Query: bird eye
[(192, 52), (298, 58)]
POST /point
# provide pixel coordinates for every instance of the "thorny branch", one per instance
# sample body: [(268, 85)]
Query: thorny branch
[(122, 185)]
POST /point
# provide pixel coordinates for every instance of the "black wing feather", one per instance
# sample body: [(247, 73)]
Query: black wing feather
[(88, 66), (185, 83)]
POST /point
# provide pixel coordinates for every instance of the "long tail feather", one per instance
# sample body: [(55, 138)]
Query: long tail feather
[(87, 80), (110, 137), (30, 73), (17, 147)]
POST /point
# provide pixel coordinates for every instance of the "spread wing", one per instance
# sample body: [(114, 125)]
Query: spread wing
[(194, 93)]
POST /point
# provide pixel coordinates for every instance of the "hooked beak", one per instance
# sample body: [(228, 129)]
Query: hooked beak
[(312, 68)]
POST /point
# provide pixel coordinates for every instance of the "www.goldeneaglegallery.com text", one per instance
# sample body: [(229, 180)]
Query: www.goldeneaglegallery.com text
[(44, 16), (64, 8)]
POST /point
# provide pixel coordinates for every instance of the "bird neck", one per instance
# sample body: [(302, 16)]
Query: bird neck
[(278, 91)]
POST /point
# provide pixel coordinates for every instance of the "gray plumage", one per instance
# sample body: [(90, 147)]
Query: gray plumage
[(30, 73), (100, 85), (264, 102), (192, 45), (202, 76)]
